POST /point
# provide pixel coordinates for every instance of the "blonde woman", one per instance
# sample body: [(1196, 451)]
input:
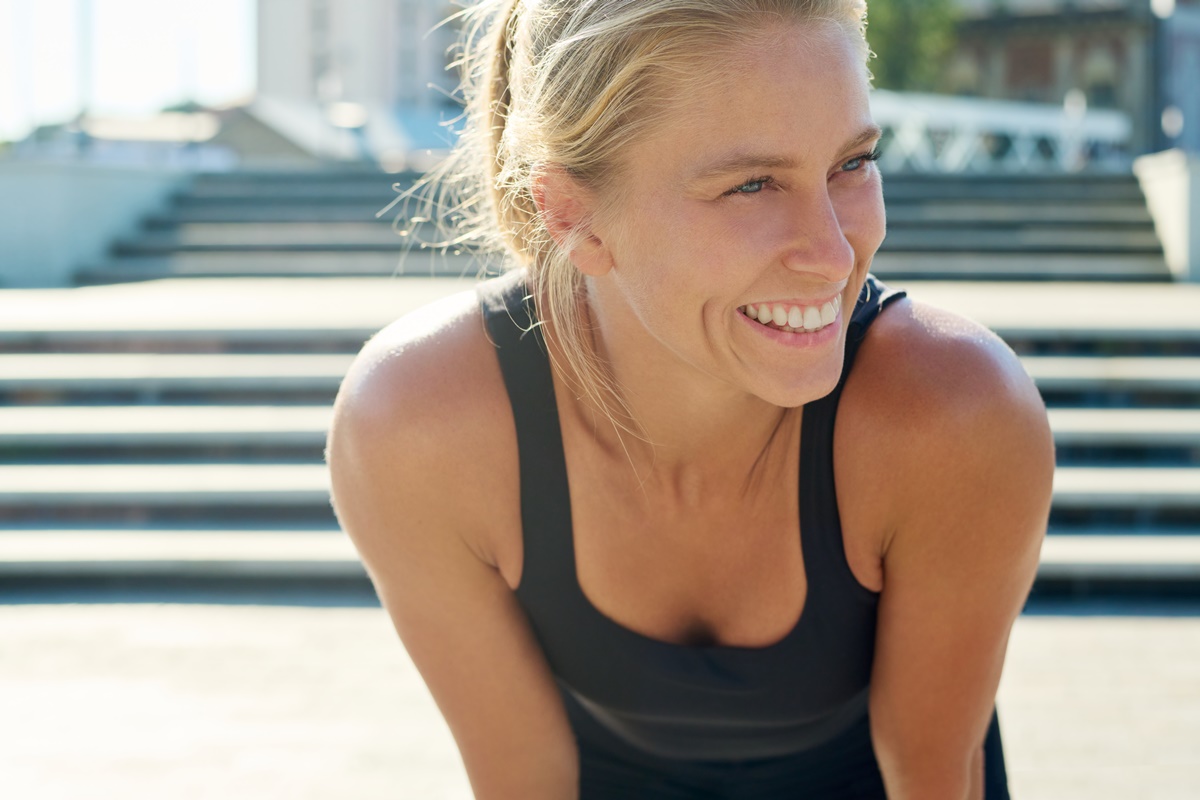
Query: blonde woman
[(687, 504)]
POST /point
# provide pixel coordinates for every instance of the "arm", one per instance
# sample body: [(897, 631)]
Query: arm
[(408, 491), (969, 475)]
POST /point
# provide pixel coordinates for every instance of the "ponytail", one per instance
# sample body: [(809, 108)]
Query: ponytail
[(516, 211), (499, 94)]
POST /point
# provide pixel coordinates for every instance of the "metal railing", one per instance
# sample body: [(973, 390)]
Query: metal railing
[(945, 134)]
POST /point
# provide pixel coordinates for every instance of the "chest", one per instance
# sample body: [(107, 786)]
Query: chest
[(703, 576), (728, 572)]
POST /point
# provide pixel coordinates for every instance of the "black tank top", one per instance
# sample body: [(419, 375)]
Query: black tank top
[(681, 701)]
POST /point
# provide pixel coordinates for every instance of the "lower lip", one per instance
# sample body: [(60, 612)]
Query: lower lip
[(796, 340)]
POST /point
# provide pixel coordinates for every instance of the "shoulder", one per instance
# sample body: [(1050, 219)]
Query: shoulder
[(944, 406), (958, 456), (421, 415), (935, 363)]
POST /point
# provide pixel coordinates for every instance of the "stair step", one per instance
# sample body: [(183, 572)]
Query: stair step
[(176, 426), (1127, 487), (1012, 189), (1071, 312), (270, 233), (230, 311), (313, 263), (946, 237), (279, 308), (1115, 373), (1025, 213), (339, 212), (982, 212), (57, 553), (969, 265), (54, 485), (151, 372), (390, 262), (211, 425), (1032, 242), (177, 554), (897, 188), (375, 190), (155, 372), (1110, 557), (1126, 426)]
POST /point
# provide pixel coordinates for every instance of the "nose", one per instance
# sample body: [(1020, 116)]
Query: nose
[(817, 243)]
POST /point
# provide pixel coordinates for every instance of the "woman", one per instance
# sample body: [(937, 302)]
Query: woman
[(575, 489)]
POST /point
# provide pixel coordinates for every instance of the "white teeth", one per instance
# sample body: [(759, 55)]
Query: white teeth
[(828, 314), (797, 319)]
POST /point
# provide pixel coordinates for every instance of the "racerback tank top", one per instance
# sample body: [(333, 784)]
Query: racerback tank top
[(670, 700)]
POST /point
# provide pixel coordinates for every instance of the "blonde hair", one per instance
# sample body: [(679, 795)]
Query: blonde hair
[(568, 84)]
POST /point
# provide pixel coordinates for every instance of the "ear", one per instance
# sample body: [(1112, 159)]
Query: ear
[(567, 209)]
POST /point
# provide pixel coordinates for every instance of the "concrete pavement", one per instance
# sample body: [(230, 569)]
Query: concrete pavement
[(141, 701)]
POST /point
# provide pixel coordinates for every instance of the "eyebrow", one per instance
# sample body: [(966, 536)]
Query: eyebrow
[(744, 162)]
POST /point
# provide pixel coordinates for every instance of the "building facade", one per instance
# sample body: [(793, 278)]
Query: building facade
[(1141, 57), (338, 76), (342, 78)]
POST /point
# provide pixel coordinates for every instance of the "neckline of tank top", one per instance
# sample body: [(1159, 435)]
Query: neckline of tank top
[(517, 290)]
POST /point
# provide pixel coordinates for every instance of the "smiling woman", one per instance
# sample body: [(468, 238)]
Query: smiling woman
[(679, 506)]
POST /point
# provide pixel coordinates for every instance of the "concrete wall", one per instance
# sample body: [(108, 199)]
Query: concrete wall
[(1171, 183), (56, 218)]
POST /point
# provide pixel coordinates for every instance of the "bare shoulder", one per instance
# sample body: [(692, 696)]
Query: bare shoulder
[(950, 440), (422, 457), (424, 403), (934, 395), (935, 364)]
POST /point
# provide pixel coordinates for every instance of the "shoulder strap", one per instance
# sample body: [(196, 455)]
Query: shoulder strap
[(820, 528), (513, 327), (873, 299)]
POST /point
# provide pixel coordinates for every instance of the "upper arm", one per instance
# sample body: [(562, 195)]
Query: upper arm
[(970, 470), (409, 489)]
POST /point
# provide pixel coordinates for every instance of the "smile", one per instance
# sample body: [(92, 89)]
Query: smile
[(794, 319)]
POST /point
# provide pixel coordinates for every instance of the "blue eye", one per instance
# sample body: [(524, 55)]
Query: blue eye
[(861, 161), (750, 187)]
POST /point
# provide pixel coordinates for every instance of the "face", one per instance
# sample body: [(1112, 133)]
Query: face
[(756, 195)]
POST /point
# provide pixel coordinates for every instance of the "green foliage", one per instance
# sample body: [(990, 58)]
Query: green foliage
[(913, 41)]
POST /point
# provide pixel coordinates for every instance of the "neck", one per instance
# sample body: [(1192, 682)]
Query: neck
[(689, 438)]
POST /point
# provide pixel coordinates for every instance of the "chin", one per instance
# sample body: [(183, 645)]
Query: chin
[(814, 385)]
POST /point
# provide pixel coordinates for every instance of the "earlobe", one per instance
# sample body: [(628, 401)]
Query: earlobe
[(565, 207)]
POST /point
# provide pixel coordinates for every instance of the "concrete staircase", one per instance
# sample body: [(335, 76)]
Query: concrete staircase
[(325, 224), (172, 430)]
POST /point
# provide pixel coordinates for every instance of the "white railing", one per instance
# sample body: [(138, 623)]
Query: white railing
[(945, 134)]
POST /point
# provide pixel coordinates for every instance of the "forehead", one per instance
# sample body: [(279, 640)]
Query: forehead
[(793, 91)]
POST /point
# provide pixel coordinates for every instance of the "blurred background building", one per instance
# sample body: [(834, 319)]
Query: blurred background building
[(1099, 82), (347, 78), (385, 64), (1141, 57)]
